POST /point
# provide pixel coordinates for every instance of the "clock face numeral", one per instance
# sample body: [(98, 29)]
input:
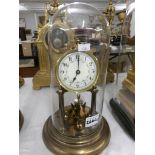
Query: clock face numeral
[(62, 71), (77, 56), (77, 71), (65, 64), (70, 59)]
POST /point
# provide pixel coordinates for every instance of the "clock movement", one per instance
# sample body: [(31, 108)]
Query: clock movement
[(78, 47)]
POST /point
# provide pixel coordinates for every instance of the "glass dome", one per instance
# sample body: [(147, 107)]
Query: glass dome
[(78, 39)]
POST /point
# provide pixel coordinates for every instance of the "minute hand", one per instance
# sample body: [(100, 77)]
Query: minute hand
[(78, 61)]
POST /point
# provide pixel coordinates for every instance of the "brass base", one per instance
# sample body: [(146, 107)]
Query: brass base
[(41, 79), (86, 145)]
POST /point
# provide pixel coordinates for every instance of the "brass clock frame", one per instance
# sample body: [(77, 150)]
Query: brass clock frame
[(89, 53)]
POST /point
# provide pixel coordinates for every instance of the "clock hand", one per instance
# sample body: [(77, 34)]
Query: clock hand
[(78, 62), (77, 73), (74, 79)]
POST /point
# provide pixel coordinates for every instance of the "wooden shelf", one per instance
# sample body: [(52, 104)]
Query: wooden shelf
[(28, 71)]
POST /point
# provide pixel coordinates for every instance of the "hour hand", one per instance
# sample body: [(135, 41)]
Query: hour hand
[(77, 73), (74, 79)]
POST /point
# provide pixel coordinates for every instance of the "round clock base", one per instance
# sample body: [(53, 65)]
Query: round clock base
[(86, 145)]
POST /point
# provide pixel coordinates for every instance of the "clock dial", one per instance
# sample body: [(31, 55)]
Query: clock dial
[(77, 71)]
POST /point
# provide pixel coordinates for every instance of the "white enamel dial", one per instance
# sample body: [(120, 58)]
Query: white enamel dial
[(77, 71)]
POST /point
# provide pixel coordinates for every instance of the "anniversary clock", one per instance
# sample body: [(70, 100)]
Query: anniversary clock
[(78, 46)]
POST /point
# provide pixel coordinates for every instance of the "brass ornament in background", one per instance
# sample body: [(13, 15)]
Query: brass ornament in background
[(117, 31), (110, 12), (50, 9), (121, 16), (53, 7), (42, 77)]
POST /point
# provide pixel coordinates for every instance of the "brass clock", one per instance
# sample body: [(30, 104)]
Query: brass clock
[(77, 71), (78, 51)]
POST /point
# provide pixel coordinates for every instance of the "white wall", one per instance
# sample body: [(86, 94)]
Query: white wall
[(31, 19)]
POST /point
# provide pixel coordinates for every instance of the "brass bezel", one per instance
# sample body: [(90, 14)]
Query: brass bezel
[(70, 35), (89, 53)]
